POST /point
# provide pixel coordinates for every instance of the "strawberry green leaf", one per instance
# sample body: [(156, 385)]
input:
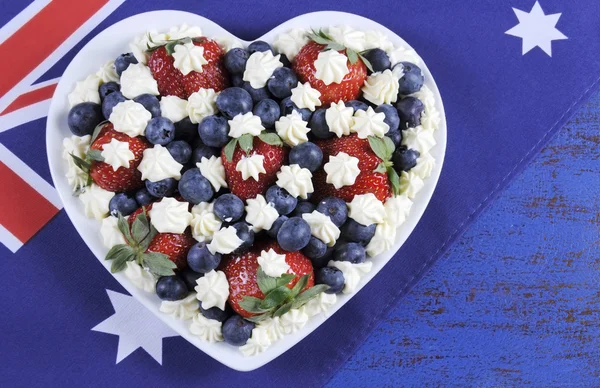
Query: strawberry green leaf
[(299, 286), (98, 129), (258, 318), (145, 242), (394, 180), (352, 55), (230, 149), (283, 309), (265, 282), (381, 167), (245, 142), (252, 305), (307, 295), (366, 62), (140, 228), (95, 155), (275, 297), (83, 165), (159, 264), (123, 226), (389, 146), (270, 138), (284, 279), (378, 146), (334, 46), (119, 264), (119, 251)]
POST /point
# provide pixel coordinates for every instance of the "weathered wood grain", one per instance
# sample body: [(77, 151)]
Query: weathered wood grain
[(516, 301)]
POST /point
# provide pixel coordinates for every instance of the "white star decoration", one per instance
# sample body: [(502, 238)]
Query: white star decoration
[(136, 327), (536, 29)]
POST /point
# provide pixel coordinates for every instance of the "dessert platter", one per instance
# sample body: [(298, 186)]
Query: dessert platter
[(244, 191)]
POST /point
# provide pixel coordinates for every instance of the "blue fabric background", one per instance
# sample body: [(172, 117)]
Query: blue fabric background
[(501, 108)]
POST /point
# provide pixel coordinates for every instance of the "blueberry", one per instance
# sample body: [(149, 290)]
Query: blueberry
[(186, 130), (160, 130), (123, 61), (143, 197), (201, 260), (320, 262), (409, 110), (216, 313), (391, 116), (237, 80), (281, 200), (350, 251), (204, 151), (256, 94), (335, 208), (150, 103), (260, 46), (195, 188), (303, 207), (332, 277), (315, 248), (396, 136), (244, 233), (404, 158), (229, 208), (318, 125), (180, 150), (276, 226), (213, 131), (378, 58), (189, 277), (282, 82), (162, 188), (234, 101), (294, 234), (107, 88), (412, 78), (268, 111), (171, 288), (122, 204), (353, 231), (83, 118), (356, 105), (235, 60), (287, 106), (236, 330), (109, 103), (307, 155)]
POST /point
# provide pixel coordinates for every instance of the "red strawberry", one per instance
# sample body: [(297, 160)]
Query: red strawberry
[(367, 181), (348, 89), (124, 179), (275, 157), (171, 82), (174, 245), (241, 274)]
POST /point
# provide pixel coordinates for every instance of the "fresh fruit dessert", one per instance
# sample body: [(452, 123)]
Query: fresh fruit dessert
[(248, 186)]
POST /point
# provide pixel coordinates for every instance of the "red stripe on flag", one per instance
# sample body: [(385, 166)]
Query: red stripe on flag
[(47, 30), (30, 98), (24, 210)]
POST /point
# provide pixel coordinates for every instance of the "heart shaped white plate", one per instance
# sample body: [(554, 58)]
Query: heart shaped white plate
[(113, 41)]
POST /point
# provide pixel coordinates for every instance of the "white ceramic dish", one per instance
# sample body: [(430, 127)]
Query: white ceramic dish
[(113, 41)]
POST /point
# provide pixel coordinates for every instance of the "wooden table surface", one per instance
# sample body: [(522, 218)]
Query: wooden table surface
[(516, 300)]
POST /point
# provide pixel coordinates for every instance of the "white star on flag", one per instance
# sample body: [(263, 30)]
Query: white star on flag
[(536, 29), (136, 327)]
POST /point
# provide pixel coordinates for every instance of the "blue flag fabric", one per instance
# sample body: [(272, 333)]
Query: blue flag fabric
[(504, 96)]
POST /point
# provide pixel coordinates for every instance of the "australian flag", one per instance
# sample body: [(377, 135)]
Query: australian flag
[(510, 72)]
